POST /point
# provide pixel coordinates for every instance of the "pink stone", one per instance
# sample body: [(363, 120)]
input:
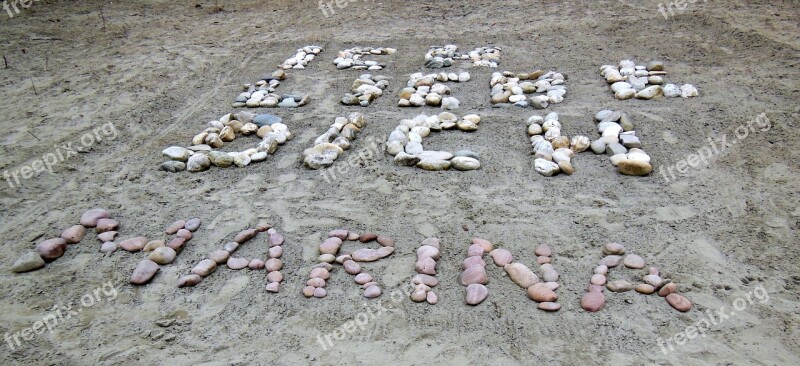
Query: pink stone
[(256, 264), (245, 235), (363, 278), (275, 252), (367, 237), (371, 255), (338, 233), (543, 250), (275, 276), (144, 272), (472, 262), (385, 241), (425, 279), (183, 233), (174, 227), (189, 280), (541, 293), (549, 306), (352, 267), (107, 236), (593, 301), (308, 291), (598, 279), (427, 251), (475, 250), (476, 293), (90, 218), (237, 263), (274, 264), (330, 246), (472, 275), (485, 244), (275, 239), (104, 225), (434, 242), (74, 234), (501, 257), (320, 273), (108, 247), (205, 267), (372, 292), (134, 244), (51, 249), (431, 298), (220, 256), (272, 287), (193, 224), (316, 282), (611, 261), (679, 302), (426, 266), (320, 292), (177, 243)]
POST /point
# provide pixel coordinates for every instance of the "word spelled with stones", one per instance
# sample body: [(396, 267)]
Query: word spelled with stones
[(427, 90), (428, 255), (652, 282), (264, 94), (202, 154), (301, 59), (553, 152), (405, 142), (629, 80), (438, 57), (329, 251), (620, 143), (331, 144), (366, 89), (538, 89), (352, 58)]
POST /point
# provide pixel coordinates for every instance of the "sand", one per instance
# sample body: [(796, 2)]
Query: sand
[(159, 71)]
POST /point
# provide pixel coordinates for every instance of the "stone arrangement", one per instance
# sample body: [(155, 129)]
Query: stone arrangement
[(427, 90), (541, 292), (439, 57), (474, 274), (545, 88), (202, 154), (329, 253), (301, 59), (208, 265), (405, 142), (553, 152), (629, 80), (331, 144), (51, 249), (263, 94), (161, 253), (620, 143), (351, 58), (366, 89), (428, 254), (594, 299)]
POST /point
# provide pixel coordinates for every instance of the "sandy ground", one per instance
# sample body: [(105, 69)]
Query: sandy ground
[(159, 70)]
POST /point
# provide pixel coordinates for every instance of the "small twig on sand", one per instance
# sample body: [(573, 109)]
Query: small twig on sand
[(34, 87), (102, 16), (34, 136), (5, 61), (46, 62)]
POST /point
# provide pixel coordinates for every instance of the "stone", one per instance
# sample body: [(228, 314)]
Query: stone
[(245, 235), (177, 153), (486, 245), (476, 293), (667, 289), (645, 289), (613, 249), (177, 243), (434, 242), (108, 247), (625, 94), (634, 167), (320, 292), (133, 244), (320, 272), (619, 286), (237, 263), (633, 261), (549, 306), (162, 255), (372, 292), (598, 279), (611, 261), (464, 163), (173, 166), (545, 167), (688, 91), (433, 165), (221, 159), (275, 252), (352, 267), (521, 275), (189, 280), (501, 257), (321, 156), (431, 298), (273, 264), (679, 302), (650, 92), (450, 103), (192, 225), (275, 276), (144, 272), (655, 66), (256, 264), (426, 265), (371, 255), (543, 250), (74, 234), (476, 274), (272, 287), (427, 251), (30, 261), (198, 163), (363, 278), (672, 91), (427, 280), (205, 268), (385, 241), (219, 256), (175, 226), (593, 301), (540, 293), (90, 217)]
